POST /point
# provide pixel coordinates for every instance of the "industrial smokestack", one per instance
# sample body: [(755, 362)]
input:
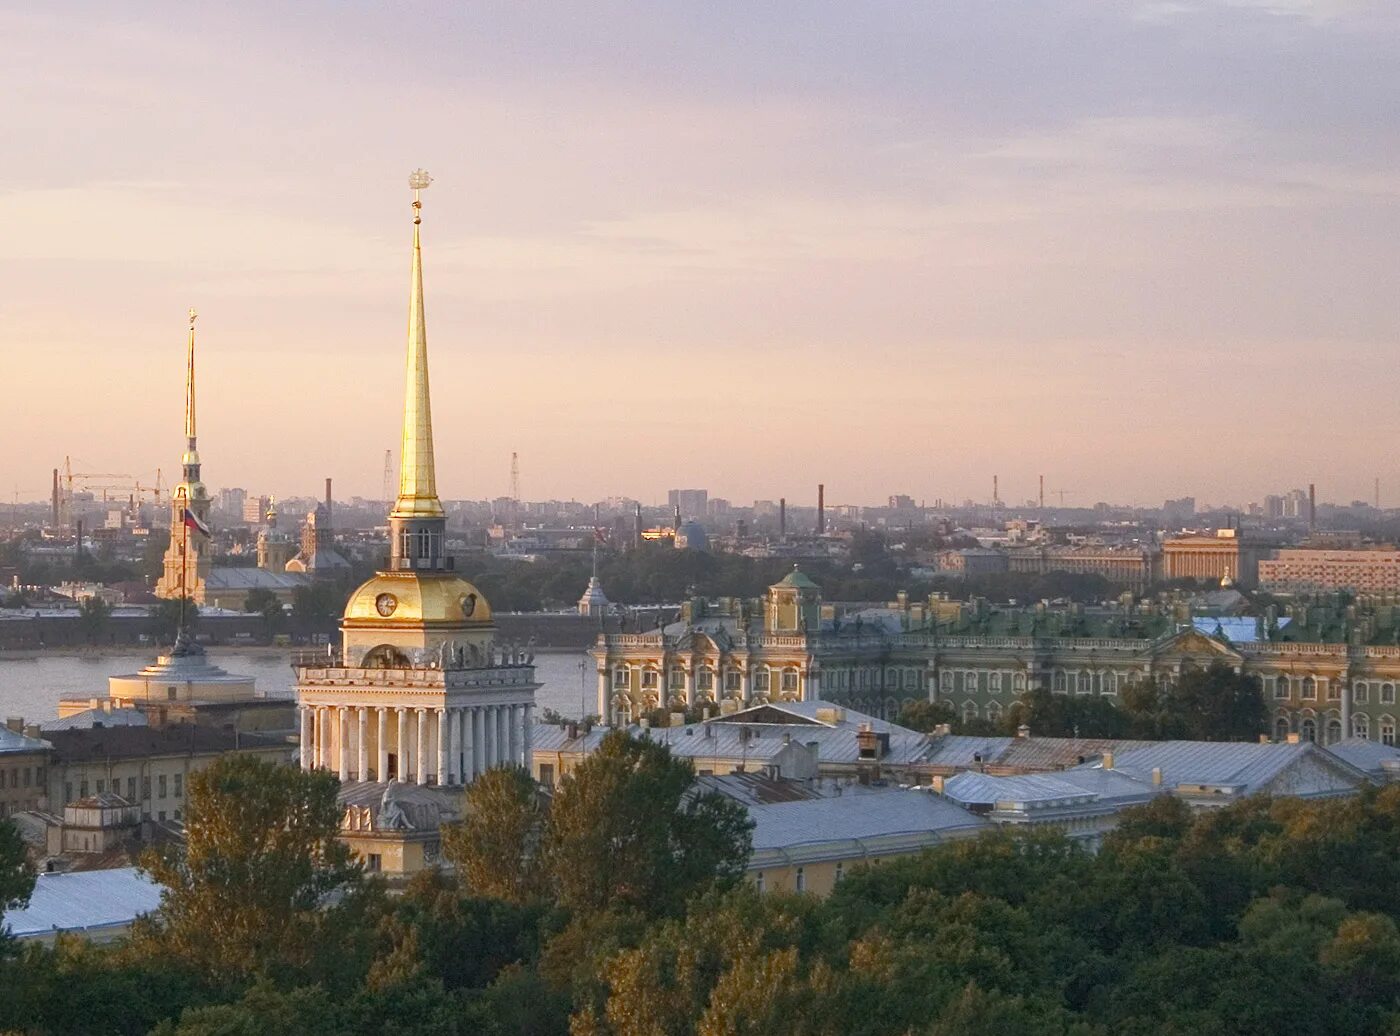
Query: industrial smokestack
[(637, 525), (328, 496), (1042, 492), (1312, 506), (821, 508), (55, 497), (782, 517), (996, 489)]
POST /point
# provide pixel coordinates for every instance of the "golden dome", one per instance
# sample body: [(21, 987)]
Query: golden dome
[(437, 599)]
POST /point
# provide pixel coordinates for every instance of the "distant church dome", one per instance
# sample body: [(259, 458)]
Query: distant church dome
[(593, 602)]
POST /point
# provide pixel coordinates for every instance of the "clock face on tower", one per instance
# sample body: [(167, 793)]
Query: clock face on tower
[(468, 605), (386, 603)]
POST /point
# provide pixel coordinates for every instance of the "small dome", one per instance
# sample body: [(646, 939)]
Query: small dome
[(692, 536), (416, 599)]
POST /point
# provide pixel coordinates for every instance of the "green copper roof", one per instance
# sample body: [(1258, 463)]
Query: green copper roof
[(798, 579)]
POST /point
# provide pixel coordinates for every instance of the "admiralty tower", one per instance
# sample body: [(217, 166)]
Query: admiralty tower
[(419, 691)]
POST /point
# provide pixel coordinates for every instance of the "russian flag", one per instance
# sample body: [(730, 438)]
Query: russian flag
[(192, 522)]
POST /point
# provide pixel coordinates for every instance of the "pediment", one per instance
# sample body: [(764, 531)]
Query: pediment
[(1192, 643)]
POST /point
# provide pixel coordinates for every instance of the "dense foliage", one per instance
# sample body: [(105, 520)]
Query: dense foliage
[(1211, 704), (1264, 917)]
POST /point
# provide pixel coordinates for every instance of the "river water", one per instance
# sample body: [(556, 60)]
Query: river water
[(31, 687)]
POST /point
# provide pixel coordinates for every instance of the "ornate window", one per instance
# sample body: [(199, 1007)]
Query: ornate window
[(1110, 683), (762, 679), (1307, 730), (1060, 684), (790, 681), (1281, 688), (1388, 730), (1359, 692), (945, 679), (1281, 729), (705, 679), (801, 881), (677, 678), (969, 710), (650, 679), (621, 677), (733, 679), (1387, 694), (993, 711), (1334, 731), (1084, 684), (1018, 682), (1361, 725), (1309, 690), (996, 683)]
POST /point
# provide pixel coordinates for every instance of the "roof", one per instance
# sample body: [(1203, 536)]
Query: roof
[(1237, 629), (83, 902), (1081, 786), (1371, 757), (251, 579), (788, 825), (89, 718), (756, 789), (79, 745), (15, 741), (799, 579), (1243, 766)]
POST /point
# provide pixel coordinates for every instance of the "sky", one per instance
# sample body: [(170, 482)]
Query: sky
[(1146, 249)]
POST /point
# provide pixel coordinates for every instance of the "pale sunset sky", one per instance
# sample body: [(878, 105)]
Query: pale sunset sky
[(1145, 248)]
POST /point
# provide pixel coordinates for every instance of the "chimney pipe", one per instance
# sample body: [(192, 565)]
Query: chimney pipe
[(1312, 507), (996, 489), (1042, 492), (782, 517), (55, 497), (328, 496), (821, 508)]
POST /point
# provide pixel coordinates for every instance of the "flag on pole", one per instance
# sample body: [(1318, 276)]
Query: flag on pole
[(192, 522)]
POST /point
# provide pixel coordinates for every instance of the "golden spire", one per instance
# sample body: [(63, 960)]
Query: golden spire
[(191, 458), (417, 477)]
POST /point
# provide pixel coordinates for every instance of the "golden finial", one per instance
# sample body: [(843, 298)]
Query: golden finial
[(193, 316), (419, 180)]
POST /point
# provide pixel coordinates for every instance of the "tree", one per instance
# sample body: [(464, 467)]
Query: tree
[(165, 618), (265, 603), (248, 893), (16, 876), (94, 615), (496, 846), (926, 716), (626, 830)]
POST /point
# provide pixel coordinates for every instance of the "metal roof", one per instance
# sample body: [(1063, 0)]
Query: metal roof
[(1248, 766), (84, 901), (1368, 756), (89, 718), (786, 825), (14, 741), (1095, 784)]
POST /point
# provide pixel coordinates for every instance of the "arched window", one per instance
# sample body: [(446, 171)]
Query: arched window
[(650, 679), (1018, 681), (1361, 725), (1281, 729), (790, 681), (994, 711), (706, 679), (1060, 684), (1334, 731), (1360, 692), (732, 679), (622, 677), (1281, 688), (1307, 730), (840, 871), (945, 679), (1388, 730), (801, 880), (1387, 694), (996, 683), (1110, 683), (969, 710), (758, 881), (762, 679), (677, 678), (1085, 684), (1309, 690)]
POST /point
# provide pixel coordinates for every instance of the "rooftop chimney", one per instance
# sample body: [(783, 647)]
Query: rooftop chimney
[(1108, 760), (1156, 776)]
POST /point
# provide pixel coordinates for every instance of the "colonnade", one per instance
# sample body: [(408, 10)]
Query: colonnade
[(427, 745)]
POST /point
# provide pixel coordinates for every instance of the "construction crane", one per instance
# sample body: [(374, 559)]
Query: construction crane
[(87, 481)]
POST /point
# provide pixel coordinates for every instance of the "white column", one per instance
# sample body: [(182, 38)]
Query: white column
[(488, 737), (440, 732), (318, 756), (342, 724), (502, 735), (381, 744), (690, 686), (745, 683), (401, 724), (515, 724), (421, 718), (308, 736), (529, 737), (479, 763), (362, 744), (604, 702), (468, 756), (454, 747)]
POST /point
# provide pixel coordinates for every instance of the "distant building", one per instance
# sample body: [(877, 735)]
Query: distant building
[(972, 561), (691, 503), (1211, 558), (1303, 570), (24, 759), (1130, 567)]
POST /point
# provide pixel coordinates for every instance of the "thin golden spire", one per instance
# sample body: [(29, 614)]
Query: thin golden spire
[(417, 476), (189, 385)]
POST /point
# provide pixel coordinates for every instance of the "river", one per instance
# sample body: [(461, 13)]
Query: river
[(31, 687)]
